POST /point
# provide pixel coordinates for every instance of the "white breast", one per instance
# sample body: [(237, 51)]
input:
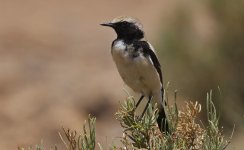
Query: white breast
[(137, 72)]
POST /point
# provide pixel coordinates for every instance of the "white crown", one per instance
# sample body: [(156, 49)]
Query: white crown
[(128, 19)]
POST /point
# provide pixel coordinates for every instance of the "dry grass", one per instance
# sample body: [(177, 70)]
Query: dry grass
[(187, 128)]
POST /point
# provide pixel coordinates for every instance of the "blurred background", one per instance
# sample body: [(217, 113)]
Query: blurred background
[(56, 68)]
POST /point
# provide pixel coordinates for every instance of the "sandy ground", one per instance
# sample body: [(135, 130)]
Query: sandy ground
[(56, 66)]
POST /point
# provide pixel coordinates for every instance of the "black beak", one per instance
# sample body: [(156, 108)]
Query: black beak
[(107, 24)]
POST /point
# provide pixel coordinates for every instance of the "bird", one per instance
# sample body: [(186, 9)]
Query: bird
[(137, 64)]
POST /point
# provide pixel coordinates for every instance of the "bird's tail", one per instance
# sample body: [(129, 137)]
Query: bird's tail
[(162, 118)]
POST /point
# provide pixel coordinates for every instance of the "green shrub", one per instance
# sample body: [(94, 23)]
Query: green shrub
[(186, 132)]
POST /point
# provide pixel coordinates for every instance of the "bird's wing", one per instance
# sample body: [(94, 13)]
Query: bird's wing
[(148, 50)]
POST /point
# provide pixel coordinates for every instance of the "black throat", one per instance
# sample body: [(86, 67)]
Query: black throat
[(129, 34)]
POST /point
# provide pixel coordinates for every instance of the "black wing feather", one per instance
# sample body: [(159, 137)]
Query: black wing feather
[(148, 51), (161, 120)]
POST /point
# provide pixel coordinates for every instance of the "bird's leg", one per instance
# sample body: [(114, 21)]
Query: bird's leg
[(149, 100), (139, 101)]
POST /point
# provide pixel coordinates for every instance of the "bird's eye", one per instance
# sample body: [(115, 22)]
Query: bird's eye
[(124, 23)]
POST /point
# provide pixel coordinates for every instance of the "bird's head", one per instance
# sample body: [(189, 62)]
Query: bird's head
[(126, 28)]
